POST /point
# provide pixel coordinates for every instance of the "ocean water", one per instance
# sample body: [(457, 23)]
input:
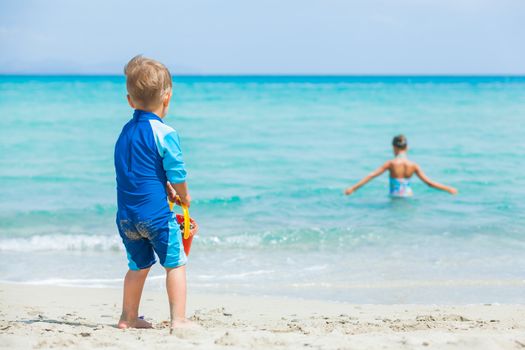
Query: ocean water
[(268, 160)]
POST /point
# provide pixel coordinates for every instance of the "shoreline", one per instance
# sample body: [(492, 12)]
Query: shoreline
[(49, 316), (439, 292)]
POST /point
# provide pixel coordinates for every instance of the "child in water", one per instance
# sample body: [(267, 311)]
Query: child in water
[(401, 170)]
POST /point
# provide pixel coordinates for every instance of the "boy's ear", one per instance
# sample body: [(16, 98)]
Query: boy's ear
[(167, 99), (131, 104)]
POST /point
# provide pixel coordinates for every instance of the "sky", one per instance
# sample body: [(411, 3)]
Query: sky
[(291, 37)]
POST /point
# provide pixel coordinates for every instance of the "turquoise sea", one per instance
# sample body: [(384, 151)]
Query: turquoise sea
[(268, 160)]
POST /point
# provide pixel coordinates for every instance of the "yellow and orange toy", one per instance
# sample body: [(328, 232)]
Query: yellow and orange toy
[(188, 227)]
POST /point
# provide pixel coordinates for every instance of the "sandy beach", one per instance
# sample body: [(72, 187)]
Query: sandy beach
[(53, 317), (354, 170)]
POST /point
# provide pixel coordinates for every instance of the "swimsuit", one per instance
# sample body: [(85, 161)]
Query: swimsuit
[(147, 155), (400, 187)]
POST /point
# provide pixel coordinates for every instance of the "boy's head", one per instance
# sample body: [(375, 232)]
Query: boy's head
[(399, 143), (149, 85)]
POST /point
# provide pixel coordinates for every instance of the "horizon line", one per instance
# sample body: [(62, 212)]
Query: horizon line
[(277, 75)]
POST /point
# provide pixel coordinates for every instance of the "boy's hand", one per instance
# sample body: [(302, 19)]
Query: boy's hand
[(180, 194), (453, 191), (184, 200), (172, 195)]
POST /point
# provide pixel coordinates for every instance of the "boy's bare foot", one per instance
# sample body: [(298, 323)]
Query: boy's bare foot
[(138, 323), (183, 323)]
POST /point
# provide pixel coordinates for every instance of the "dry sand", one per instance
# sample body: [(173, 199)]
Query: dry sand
[(54, 317)]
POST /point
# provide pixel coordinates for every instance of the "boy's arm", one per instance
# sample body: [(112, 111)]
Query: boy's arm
[(434, 184), (369, 177), (180, 190), (173, 164)]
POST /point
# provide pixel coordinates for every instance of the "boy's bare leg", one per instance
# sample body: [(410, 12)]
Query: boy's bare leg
[(176, 287), (133, 285)]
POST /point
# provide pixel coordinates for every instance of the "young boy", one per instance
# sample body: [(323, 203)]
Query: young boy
[(150, 168), (401, 170)]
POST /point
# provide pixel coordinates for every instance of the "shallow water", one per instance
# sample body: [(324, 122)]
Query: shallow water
[(268, 159)]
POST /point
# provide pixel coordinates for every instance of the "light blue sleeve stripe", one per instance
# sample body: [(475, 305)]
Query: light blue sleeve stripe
[(168, 146), (173, 162)]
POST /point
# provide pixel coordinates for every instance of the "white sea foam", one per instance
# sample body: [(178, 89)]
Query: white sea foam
[(78, 282), (61, 243), (83, 242)]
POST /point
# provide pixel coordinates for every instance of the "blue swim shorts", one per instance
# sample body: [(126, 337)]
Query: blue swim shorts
[(141, 239)]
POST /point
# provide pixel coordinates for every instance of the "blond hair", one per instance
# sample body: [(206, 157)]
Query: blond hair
[(148, 81)]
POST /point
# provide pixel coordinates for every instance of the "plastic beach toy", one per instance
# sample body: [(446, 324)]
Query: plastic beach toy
[(187, 227)]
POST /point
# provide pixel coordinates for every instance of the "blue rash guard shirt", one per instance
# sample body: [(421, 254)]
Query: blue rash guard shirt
[(147, 155)]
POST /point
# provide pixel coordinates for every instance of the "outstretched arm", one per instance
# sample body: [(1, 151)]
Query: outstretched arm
[(434, 184), (369, 177)]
